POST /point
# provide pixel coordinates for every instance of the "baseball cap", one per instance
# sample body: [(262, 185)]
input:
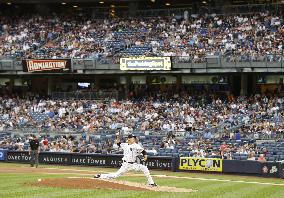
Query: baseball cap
[(131, 136)]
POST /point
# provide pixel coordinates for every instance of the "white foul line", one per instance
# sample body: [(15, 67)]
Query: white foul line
[(70, 169), (222, 180)]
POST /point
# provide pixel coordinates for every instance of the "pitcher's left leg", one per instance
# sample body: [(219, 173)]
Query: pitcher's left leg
[(145, 170)]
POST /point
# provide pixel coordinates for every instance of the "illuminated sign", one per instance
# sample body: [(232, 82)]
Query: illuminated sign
[(145, 63)]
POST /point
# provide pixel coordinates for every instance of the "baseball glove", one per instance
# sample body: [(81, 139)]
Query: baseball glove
[(140, 159)]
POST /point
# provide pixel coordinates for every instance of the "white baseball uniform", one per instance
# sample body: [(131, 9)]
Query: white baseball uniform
[(130, 153)]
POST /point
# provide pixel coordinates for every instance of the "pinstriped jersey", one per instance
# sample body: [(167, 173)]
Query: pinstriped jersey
[(130, 152)]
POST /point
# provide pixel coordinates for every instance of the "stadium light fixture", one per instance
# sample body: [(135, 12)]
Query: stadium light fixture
[(75, 6), (168, 4), (101, 2), (9, 3), (153, 1), (204, 2), (63, 3)]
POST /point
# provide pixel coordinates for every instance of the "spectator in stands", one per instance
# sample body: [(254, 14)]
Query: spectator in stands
[(251, 156), (261, 158), (91, 147), (82, 149), (44, 144), (19, 146), (238, 136), (152, 151), (264, 151), (226, 154), (108, 147), (193, 38), (223, 146), (207, 135), (53, 147), (209, 148), (25, 115), (170, 142)]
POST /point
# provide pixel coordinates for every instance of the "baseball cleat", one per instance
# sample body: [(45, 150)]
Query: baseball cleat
[(153, 185), (97, 176)]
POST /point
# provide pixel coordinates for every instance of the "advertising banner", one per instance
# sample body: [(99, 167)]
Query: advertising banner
[(3, 154), (281, 170), (271, 169), (241, 166), (95, 160), (46, 65), (116, 161), (55, 158), (18, 156), (145, 63), (200, 164), (164, 163)]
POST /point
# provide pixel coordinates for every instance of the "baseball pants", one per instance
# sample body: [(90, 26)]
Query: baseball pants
[(34, 158), (127, 167)]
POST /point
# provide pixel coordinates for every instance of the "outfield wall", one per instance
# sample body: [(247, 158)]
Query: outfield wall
[(164, 163), (267, 169)]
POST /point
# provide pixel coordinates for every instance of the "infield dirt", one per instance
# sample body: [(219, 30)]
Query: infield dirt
[(89, 183), (85, 181)]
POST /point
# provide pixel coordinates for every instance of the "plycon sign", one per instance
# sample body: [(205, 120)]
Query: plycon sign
[(200, 164)]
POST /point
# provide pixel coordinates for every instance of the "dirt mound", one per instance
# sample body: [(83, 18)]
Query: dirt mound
[(82, 183), (89, 183)]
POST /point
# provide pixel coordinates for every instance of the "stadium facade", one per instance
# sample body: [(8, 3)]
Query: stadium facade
[(234, 74)]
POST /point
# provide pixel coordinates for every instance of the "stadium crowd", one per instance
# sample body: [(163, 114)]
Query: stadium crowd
[(181, 113), (249, 37), (20, 36), (200, 119)]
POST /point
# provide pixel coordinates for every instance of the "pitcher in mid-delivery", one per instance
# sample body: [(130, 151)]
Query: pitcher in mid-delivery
[(131, 160)]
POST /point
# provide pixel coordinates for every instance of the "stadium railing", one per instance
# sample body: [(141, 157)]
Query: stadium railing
[(228, 61)]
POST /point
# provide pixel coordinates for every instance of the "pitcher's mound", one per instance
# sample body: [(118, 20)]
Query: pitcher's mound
[(89, 183)]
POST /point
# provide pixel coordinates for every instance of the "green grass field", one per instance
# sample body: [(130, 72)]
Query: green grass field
[(208, 185)]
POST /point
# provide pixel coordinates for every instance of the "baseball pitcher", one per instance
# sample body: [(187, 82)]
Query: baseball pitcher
[(132, 153)]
